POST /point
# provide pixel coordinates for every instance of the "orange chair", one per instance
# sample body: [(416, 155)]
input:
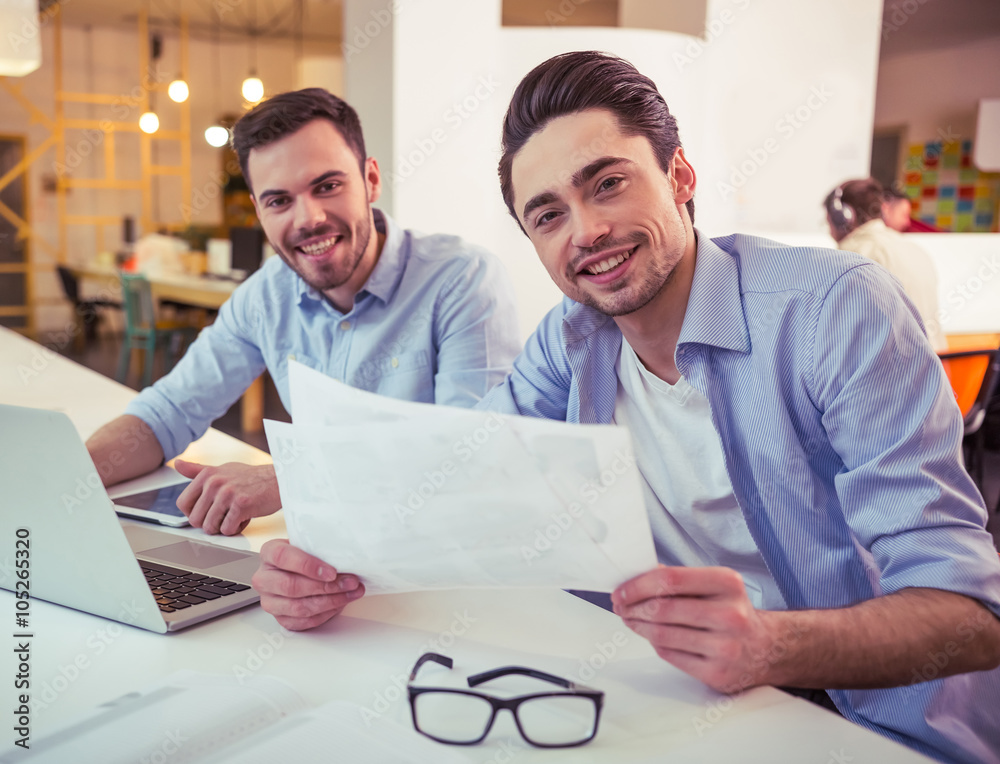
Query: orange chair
[(974, 376)]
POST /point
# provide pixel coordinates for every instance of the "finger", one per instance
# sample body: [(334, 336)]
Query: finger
[(697, 612), (279, 554), (307, 607), (234, 522), (216, 515), (188, 469), (686, 662), (304, 624), (190, 495), (666, 581), (206, 498), (280, 583), (679, 638)]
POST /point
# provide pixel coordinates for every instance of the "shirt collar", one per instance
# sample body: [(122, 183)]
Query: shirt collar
[(388, 270), (715, 306), (714, 311)]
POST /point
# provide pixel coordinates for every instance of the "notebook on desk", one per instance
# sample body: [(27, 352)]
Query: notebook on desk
[(63, 542)]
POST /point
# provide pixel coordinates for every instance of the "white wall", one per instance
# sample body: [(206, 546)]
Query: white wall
[(936, 93), (735, 93), (797, 81)]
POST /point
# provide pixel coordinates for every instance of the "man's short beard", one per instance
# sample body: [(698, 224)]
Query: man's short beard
[(610, 307), (358, 252)]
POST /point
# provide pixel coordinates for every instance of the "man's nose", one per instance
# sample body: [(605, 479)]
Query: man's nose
[(309, 212), (589, 226)]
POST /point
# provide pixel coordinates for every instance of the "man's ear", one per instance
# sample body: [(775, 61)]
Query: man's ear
[(373, 180), (255, 207), (682, 177)]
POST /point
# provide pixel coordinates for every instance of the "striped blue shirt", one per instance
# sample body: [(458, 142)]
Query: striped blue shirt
[(842, 441), (434, 323)]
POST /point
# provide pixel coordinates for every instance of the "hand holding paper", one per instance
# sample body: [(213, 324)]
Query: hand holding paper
[(409, 496)]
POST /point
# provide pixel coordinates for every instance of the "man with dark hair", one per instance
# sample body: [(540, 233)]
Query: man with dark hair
[(797, 438), (422, 318), (854, 214)]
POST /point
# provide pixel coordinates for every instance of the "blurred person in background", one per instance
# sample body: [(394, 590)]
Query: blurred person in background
[(854, 212)]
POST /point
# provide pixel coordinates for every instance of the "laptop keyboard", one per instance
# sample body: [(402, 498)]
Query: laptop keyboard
[(176, 589)]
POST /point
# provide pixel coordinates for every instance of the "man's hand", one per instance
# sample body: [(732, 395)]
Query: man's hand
[(300, 590), (224, 499), (701, 621)]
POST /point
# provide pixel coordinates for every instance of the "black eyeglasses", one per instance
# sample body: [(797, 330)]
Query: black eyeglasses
[(465, 717)]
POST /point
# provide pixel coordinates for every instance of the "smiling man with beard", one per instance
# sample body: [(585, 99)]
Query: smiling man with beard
[(421, 318)]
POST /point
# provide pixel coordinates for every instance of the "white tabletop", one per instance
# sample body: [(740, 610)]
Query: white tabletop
[(653, 712)]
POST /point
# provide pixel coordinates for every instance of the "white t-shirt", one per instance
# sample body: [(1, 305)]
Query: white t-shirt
[(695, 517)]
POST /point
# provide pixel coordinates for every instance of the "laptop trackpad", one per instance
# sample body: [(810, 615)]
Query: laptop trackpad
[(191, 554)]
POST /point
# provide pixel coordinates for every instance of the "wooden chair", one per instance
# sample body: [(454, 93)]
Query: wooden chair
[(144, 332), (974, 376)]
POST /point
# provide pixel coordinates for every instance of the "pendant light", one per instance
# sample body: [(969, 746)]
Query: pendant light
[(178, 91), (253, 88), (20, 42), (216, 135)]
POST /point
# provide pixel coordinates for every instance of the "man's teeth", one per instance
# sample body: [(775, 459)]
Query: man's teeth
[(607, 265), (315, 249)]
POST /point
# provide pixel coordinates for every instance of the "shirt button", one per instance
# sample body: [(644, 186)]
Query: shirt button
[(395, 362), (345, 325)]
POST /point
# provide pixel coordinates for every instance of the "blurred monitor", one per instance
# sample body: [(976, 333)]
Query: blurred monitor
[(247, 249)]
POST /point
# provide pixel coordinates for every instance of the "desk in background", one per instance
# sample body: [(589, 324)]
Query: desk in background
[(653, 712), (198, 292)]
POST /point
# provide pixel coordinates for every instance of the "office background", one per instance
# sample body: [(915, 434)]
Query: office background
[(777, 102)]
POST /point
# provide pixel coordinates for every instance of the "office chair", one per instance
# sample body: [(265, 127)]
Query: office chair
[(144, 332), (86, 312), (974, 376)]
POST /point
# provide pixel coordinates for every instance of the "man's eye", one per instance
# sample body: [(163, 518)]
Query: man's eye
[(609, 183), (276, 201), (328, 186), (545, 217)]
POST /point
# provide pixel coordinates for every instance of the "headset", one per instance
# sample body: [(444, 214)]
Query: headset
[(842, 215)]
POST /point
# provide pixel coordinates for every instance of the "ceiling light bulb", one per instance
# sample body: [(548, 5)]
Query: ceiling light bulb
[(149, 122), (178, 91), (253, 89), (217, 136)]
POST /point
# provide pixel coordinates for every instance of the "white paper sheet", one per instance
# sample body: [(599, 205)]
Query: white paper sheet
[(411, 496)]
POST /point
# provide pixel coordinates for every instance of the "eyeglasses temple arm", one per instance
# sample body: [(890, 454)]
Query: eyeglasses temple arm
[(486, 676), (444, 660)]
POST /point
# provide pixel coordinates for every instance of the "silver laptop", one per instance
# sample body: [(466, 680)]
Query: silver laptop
[(58, 524)]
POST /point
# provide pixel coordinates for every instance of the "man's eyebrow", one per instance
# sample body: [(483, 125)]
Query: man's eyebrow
[(584, 174), (580, 177), (327, 176), (314, 182), (538, 200)]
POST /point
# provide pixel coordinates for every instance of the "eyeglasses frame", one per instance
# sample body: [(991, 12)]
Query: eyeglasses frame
[(498, 704)]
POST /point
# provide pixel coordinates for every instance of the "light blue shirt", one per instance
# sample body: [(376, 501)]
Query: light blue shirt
[(842, 441), (435, 323)]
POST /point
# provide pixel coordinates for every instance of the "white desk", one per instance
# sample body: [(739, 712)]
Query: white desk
[(652, 711)]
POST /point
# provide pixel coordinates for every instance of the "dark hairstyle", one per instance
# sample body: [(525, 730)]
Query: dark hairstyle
[(864, 197), (287, 113), (573, 82), (894, 193)]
